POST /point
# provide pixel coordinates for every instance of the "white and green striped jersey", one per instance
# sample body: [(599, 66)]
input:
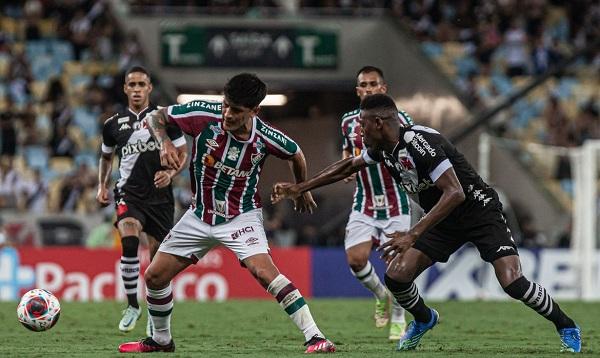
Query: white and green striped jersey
[(377, 195), (226, 170)]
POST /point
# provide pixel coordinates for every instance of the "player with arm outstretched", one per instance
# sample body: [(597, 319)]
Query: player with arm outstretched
[(460, 207), (231, 144), (380, 207), (143, 194)]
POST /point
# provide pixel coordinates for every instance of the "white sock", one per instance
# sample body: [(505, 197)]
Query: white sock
[(397, 312), (293, 303), (160, 307), (368, 277)]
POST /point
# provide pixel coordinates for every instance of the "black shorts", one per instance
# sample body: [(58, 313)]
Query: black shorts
[(156, 219), (489, 234)]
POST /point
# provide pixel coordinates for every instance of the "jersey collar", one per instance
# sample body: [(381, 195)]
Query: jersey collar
[(142, 113)]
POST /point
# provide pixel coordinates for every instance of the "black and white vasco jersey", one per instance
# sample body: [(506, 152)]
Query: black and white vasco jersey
[(421, 156), (127, 134)]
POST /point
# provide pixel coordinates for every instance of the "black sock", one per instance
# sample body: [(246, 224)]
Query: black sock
[(407, 295), (130, 268), (536, 297)]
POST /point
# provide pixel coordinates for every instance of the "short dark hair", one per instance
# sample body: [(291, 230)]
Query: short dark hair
[(367, 69), (378, 101), (245, 89), (137, 69)]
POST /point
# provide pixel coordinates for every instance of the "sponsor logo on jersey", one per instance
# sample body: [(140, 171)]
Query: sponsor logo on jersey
[(122, 120), (241, 232), (121, 207), (139, 147), (233, 153), (273, 134), (124, 126), (424, 144), (252, 241), (505, 248), (209, 161), (216, 129), (206, 105), (412, 187), (259, 145), (256, 158), (212, 144)]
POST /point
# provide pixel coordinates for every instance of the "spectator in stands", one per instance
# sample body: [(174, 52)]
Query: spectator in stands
[(515, 45), (75, 187), (35, 194), (10, 183), (560, 130), (8, 135)]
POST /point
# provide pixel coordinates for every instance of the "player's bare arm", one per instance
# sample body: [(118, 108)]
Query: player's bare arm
[(104, 172), (163, 178), (157, 125), (347, 154), (333, 173), (452, 196), (304, 202)]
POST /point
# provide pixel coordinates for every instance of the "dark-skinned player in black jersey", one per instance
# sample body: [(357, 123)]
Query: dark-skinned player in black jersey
[(460, 207)]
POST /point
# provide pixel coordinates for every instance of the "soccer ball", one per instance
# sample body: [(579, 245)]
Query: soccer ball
[(38, 310)]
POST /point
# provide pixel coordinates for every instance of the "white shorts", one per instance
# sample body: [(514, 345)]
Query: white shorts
[(193, 238), (362, 228)]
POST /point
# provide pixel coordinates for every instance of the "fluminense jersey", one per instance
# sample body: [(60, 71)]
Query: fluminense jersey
[(127, 134), (226, 169), (421, 156), (376, 194)]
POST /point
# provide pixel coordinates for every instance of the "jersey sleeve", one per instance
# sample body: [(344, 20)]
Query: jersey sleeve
[(346, 145), (278, 143), (427, 153), (371, 156), (193, 117), (176, 136), (108, 141)]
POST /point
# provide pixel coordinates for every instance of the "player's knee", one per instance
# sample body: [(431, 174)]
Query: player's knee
[(401, 271), (154, 280), (357, 262)]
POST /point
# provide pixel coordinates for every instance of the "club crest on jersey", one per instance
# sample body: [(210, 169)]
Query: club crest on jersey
[(137, 126), (124, 127), (212, 144), (256, 158), (233, 153), (406, 163), (220, 206)]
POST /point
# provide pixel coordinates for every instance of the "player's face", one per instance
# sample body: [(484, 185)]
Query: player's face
[(236, 116), (137, 87), (370, 131), (368, 83)]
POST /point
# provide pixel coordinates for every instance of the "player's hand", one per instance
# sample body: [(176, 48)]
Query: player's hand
[(305, 203), (162, 179), (350, 178), (284, 191), (102, 195), (168, 155), (397, 246)]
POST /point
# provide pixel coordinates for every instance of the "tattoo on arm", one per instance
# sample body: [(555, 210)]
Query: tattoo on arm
[(105, 169), (157, 125)]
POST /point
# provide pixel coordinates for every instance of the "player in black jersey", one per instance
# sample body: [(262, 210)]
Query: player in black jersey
[(460, 207), (143, 194)]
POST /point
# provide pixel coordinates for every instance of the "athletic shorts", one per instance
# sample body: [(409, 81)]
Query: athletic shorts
[(490, 235), (363, 228), (156, 219), (193, 238)]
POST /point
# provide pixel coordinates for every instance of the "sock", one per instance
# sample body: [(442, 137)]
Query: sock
[(407, 295), (536, 297), (371, 281), (160, 306), (130, 268), (293, 303), (397, 312)]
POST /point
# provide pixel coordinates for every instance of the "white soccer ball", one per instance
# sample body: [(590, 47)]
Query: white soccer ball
[(38, 310)]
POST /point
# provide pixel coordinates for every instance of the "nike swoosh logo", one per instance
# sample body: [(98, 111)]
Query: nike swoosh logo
[(128, 323)]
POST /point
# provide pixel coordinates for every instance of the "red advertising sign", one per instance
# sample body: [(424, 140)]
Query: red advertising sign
[(79, 274)]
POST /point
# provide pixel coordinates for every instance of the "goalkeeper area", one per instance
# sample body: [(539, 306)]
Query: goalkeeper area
[(258, 328)]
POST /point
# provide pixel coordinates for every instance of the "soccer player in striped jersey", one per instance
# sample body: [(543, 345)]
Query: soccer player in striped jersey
[(231, 144), (143, 194), (380, 207), (460, 207)]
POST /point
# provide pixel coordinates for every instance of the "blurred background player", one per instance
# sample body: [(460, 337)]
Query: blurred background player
[(380, 207), (230, 149), (143, 193), (460, 207)]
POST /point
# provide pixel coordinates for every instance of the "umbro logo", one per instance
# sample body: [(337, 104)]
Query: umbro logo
[(212, 144), (504, 248), (352, 135)]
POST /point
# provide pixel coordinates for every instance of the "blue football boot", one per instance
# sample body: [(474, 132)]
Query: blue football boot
[(415, 331), (571, 339)]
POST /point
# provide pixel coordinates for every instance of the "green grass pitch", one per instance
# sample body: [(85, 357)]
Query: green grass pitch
[(261, 329)]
